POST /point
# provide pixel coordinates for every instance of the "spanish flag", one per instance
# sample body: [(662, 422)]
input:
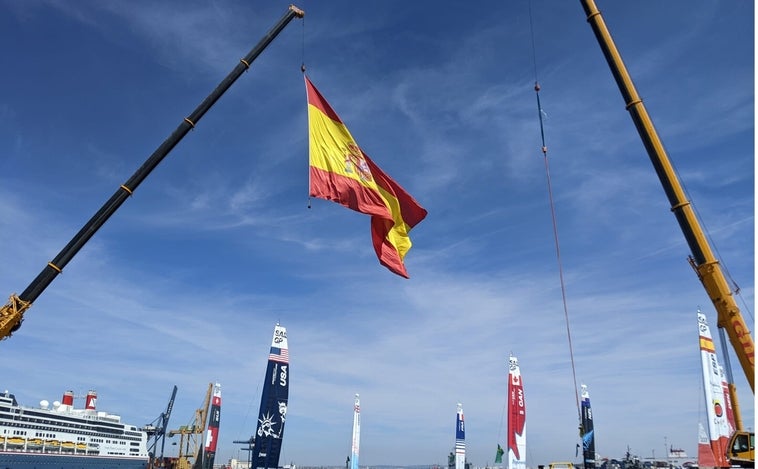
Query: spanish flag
[(342, 172)]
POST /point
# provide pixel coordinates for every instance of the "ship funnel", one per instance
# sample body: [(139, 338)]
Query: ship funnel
[(91, 400), (68, 398)]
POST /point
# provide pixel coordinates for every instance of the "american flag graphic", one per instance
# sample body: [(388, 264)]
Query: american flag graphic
[(281, 355)]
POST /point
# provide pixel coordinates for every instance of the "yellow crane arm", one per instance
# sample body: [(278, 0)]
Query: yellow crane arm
[(11, 315), (705, 263)]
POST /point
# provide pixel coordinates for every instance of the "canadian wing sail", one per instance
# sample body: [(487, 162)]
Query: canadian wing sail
[(460, 439), (588, 431), (516, 417), (273, 410)]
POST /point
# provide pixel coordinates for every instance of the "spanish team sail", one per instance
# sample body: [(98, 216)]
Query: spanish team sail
[(356, 433), (715, 401), (516, 417), (587, 431), (460, 439), (273, 411)]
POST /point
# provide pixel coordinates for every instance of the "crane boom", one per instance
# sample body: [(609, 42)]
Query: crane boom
[(157, 433), (702, 259), (707, 267), (12, 313), (191, 436)]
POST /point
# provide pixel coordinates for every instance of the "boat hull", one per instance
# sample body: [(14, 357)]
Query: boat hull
[(67, 461)]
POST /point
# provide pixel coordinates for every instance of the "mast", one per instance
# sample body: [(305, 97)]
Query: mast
[(356, 433), (11, 314), (460, 439), (587, 431), (516, 417)]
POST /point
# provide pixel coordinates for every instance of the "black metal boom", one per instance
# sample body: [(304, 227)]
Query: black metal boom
[(11, 314)]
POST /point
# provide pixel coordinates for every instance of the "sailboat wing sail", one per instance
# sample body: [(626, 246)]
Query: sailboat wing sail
[(356, 433), (211, 434), (588, 431), (273, 410), (516, 417), (715, 403), (460, 439)]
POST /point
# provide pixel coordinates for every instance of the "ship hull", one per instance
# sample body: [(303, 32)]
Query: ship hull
[(64, 437), (66, 461)]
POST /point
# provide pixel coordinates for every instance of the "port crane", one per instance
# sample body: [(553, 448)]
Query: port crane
[(156, 432), (12, 313), (702, 259), (191, 436)]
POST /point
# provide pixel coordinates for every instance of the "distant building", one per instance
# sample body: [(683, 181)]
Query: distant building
[(236, 464)]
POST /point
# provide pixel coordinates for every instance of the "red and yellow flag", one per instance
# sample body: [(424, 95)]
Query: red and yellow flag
[(340, 171)]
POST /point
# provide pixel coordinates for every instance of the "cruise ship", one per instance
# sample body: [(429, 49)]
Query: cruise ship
[(62, 436)]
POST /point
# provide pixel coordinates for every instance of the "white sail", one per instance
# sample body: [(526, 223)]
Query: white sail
[(356, 433), (460, 439)]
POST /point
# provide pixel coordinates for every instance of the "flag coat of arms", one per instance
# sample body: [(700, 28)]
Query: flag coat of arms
[(340, 171)]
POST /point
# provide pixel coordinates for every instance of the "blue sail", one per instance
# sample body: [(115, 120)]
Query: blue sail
[(588, 431), (273, 411), (460, 439)]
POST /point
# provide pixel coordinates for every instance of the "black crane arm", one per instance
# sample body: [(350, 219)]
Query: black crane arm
[(11, 314)]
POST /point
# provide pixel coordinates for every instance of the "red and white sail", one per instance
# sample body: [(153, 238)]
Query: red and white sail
[(211, 434), (728, 403), (516, 417), (715, 402), (705, 456)]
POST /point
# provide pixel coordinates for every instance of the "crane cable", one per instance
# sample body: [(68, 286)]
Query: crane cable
[(540, 112)]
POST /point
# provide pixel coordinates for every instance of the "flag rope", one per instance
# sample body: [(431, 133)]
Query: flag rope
[(540, 112)]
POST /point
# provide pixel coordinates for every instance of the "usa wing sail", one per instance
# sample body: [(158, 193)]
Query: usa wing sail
[(273, 410)]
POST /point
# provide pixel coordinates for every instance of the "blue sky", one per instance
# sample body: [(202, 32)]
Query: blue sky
[(184, 284)]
